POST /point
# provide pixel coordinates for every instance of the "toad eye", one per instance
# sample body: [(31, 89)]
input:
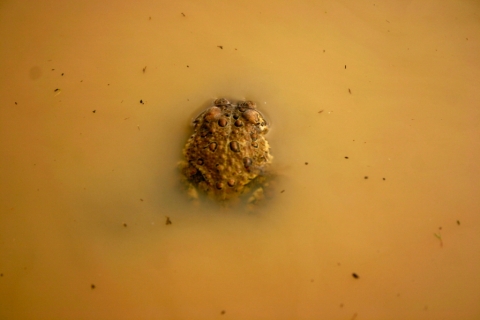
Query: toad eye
[(247, 105), (221, 102)]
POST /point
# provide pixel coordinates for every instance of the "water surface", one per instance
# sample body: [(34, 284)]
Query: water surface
[(375, 126)]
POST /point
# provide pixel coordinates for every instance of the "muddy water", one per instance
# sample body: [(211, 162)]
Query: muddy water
[(375, 126)]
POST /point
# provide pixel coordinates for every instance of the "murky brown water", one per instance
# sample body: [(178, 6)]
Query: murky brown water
[(375, 134)]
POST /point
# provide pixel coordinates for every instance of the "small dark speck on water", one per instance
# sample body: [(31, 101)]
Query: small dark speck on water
[(94, 111), (168, 221), (439, 237), (92, 286), (222, 312), (458, 222), (183, 14), (356, 276), (349, 91), (366, 177), (221, 47)]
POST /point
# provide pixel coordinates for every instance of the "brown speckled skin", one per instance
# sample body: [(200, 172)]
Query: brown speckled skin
[(227, 150)]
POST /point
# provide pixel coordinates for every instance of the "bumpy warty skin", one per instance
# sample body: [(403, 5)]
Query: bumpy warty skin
[(227, 149)]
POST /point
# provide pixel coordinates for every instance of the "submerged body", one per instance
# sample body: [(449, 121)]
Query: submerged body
[(227, 150)]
